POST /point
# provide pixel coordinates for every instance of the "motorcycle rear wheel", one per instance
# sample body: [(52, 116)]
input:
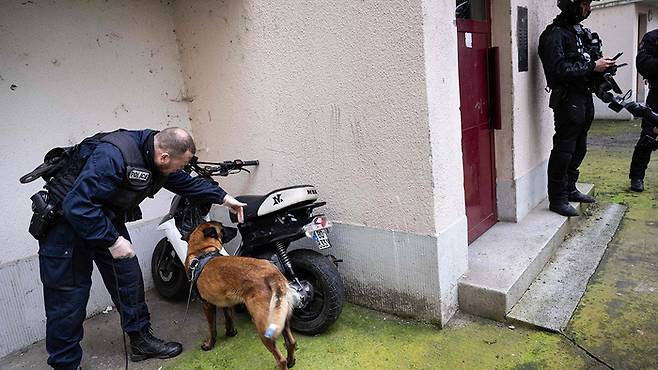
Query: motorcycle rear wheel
[(329, 294)]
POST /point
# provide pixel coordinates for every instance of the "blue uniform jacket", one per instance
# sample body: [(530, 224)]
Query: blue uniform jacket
[(100, 178)]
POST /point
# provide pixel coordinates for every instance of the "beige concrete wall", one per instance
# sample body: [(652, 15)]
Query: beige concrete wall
[(358, 98), (442, 76), (533, 119), (78, 68), (523, 145), (328, 93)]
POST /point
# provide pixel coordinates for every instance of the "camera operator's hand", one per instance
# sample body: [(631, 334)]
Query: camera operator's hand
[(235, 207), (122, 249), (603, 64)]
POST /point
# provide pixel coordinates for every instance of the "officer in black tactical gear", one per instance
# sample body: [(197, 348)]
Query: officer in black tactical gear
[(570, 73), (647, 66), (97, 190)]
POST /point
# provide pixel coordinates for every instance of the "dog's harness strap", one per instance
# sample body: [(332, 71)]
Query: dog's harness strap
[(197, 264), (193, 272)]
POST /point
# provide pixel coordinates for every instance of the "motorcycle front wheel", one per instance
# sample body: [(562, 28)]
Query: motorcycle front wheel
[(327, 303), (168, 272)]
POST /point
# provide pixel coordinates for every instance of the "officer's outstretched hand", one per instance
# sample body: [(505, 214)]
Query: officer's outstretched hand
[(122, 249), (235, 207)]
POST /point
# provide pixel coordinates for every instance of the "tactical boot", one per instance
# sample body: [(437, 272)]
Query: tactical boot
[(564, 209), (577, 196), (144, 345), (637, 185)]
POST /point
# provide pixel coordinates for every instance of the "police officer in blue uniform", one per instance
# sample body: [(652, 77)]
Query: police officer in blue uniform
[(570, 73), (99, 190), (647, 65)]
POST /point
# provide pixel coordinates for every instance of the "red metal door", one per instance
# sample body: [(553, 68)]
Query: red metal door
[(474, 40)]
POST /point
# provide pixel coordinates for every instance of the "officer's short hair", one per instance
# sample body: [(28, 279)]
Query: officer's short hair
[(175, 141)]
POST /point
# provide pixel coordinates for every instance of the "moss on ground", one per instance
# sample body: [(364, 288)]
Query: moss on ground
[(617, 319), (366, 339)]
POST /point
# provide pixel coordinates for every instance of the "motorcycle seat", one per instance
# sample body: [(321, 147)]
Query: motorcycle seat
[(260, 205)]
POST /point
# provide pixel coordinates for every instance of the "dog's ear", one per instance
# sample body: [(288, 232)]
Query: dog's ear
[(210, 232)]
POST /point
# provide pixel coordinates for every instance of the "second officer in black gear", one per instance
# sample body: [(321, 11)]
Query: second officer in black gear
[(98, 189), (570, 73), (647, 66)]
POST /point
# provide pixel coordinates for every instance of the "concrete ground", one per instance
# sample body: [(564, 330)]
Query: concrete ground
[(615, 324)]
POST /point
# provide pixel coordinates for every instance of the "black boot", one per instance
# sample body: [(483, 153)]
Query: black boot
[(564, 209), (637, 185), (144, 345), (577, 196)]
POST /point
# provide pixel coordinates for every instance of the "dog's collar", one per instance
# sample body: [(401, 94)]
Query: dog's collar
[(198, 263)]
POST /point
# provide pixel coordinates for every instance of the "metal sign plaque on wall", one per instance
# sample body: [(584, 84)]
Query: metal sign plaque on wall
[(522, 37)]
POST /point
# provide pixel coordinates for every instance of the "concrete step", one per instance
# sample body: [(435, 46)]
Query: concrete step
[(552, 298), (505, 260)]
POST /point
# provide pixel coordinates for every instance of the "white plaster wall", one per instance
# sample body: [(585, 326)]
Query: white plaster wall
[(79, 67), (618, 28), (327, 93)]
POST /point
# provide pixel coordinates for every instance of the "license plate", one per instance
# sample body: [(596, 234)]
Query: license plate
[(320, 237)]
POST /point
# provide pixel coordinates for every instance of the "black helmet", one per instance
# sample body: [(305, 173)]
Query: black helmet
[(571, 8)]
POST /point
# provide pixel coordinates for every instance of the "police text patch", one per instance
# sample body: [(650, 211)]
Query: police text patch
[(139, 174)]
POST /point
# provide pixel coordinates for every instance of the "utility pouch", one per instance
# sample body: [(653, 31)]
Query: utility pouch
[(649, 142), (44, 215), (558, 95)]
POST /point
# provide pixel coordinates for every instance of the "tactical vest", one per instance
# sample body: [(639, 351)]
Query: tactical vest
[(577, 49), (137, 184)]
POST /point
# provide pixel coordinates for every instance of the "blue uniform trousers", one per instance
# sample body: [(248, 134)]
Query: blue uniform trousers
[(65, 264)]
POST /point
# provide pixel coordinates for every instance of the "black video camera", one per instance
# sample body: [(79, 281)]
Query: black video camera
[(604, 82)]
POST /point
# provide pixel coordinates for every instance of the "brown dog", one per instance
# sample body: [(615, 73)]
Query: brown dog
[(227, 281)]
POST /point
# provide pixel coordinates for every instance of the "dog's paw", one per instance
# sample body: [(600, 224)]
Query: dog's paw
[(231, 333), (291, 363), (207, 346)]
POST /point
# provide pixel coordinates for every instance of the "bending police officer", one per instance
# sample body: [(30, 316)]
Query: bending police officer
[(647, 66), (570, 72), (100, 189)]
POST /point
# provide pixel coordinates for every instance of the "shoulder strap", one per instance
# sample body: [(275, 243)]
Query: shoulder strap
[(128, 147), (137, 174)]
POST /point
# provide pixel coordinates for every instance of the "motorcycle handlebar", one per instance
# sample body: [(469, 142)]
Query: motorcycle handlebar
[(225, 168)]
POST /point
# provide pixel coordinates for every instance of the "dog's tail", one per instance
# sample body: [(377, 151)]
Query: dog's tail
[(281, 305)]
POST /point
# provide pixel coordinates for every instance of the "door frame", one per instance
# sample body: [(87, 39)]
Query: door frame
[(479, 26)]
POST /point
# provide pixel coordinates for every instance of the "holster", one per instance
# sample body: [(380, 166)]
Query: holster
[(45, 214)]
